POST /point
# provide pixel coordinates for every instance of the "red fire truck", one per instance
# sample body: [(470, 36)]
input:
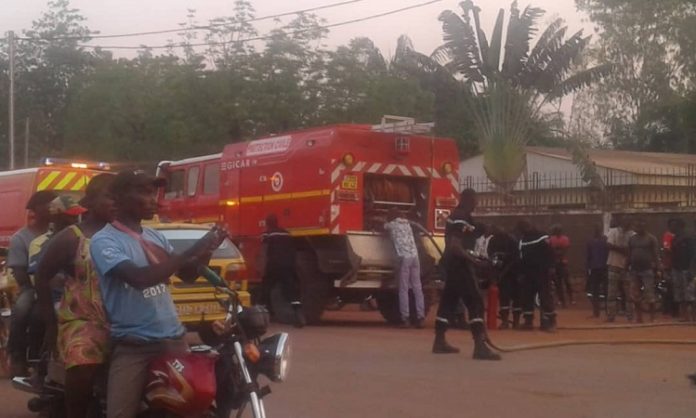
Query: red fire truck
[(16, 186), (331, 187)]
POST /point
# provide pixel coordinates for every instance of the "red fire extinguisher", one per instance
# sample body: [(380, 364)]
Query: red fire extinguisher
[(492, 312)]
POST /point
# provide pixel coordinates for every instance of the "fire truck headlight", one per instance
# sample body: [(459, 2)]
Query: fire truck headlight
[(348, 159), (447, 168)]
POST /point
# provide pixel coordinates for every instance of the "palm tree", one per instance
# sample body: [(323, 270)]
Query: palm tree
[(513, 84)]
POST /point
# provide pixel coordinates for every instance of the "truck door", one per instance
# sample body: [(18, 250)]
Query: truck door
[(208, 199), (174, 193), (229, 199)]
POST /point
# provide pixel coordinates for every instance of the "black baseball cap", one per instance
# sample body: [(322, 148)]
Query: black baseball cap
[(40, 198), (126, 181)]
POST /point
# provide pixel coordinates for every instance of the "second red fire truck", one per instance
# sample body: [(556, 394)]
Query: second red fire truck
[(331, 187)]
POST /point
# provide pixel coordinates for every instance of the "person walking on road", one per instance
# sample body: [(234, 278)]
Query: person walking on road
[(617, 240), (560, 243), (597, 256), (280, 268), (536, 258), (408, 267), (460, 283), (643, 261)]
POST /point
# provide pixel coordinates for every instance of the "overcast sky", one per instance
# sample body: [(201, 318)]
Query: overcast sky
[(124, 16)]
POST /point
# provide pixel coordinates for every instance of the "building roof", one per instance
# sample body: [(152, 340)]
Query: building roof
[(628, 161)]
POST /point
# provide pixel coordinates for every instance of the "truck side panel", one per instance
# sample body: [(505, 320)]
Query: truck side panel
[(15, 191)]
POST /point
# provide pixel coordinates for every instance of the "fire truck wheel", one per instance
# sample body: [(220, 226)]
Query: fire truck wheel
[(388, 304), (315, 287)]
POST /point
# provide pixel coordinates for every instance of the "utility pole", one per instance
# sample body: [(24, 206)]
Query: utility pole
[(26, 143), (11, 40)]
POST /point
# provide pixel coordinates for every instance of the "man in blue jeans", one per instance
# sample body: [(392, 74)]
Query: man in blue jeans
[(134, 264), (408, 268)]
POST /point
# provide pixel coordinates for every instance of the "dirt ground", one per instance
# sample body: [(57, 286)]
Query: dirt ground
[(356, 366)]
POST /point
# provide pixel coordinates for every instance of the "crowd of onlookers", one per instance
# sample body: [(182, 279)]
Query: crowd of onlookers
[(629, 271)]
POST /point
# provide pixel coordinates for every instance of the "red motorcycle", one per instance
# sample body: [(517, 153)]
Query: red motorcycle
[(213, 380)]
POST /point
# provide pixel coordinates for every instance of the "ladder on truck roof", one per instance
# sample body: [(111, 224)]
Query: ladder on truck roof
[(403, 125)]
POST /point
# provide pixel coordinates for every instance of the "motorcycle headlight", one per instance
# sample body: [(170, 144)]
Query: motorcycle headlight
[(275, 357)]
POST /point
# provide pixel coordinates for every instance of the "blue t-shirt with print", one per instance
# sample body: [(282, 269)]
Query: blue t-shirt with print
[(147, 314)]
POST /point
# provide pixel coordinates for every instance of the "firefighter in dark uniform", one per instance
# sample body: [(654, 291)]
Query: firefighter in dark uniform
[(460, 283), (280, 268), (536, 258), (504, 254)]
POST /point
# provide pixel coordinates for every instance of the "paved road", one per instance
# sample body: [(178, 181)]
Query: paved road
[(354, 366)]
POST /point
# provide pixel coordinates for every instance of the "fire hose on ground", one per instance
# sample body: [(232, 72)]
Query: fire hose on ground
[(567, 343)]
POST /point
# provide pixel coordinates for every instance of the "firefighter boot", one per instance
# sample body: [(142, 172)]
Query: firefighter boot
[(528, 322), (516, 319), (300, 320), (504, 319), (481, 349), (440, 345)]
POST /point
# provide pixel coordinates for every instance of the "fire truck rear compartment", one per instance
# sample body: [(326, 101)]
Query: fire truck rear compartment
[(409, 195)]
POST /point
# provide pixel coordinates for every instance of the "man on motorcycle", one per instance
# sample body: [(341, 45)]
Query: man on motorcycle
[(81, 324), (64, 212), (134, 264), (18, 263)]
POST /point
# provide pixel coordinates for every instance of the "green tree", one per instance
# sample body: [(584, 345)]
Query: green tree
[(642, 104), (361, 87), (513, 83), (451, 95), (49, 64)]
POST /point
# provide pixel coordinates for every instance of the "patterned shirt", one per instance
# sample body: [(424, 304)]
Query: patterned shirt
[(402, 236)]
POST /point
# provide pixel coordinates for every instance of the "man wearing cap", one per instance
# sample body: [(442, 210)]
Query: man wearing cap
[(134, 264), (18, 263), (63, 211)]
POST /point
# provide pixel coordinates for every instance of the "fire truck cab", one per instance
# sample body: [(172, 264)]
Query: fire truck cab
[(331, 187)]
